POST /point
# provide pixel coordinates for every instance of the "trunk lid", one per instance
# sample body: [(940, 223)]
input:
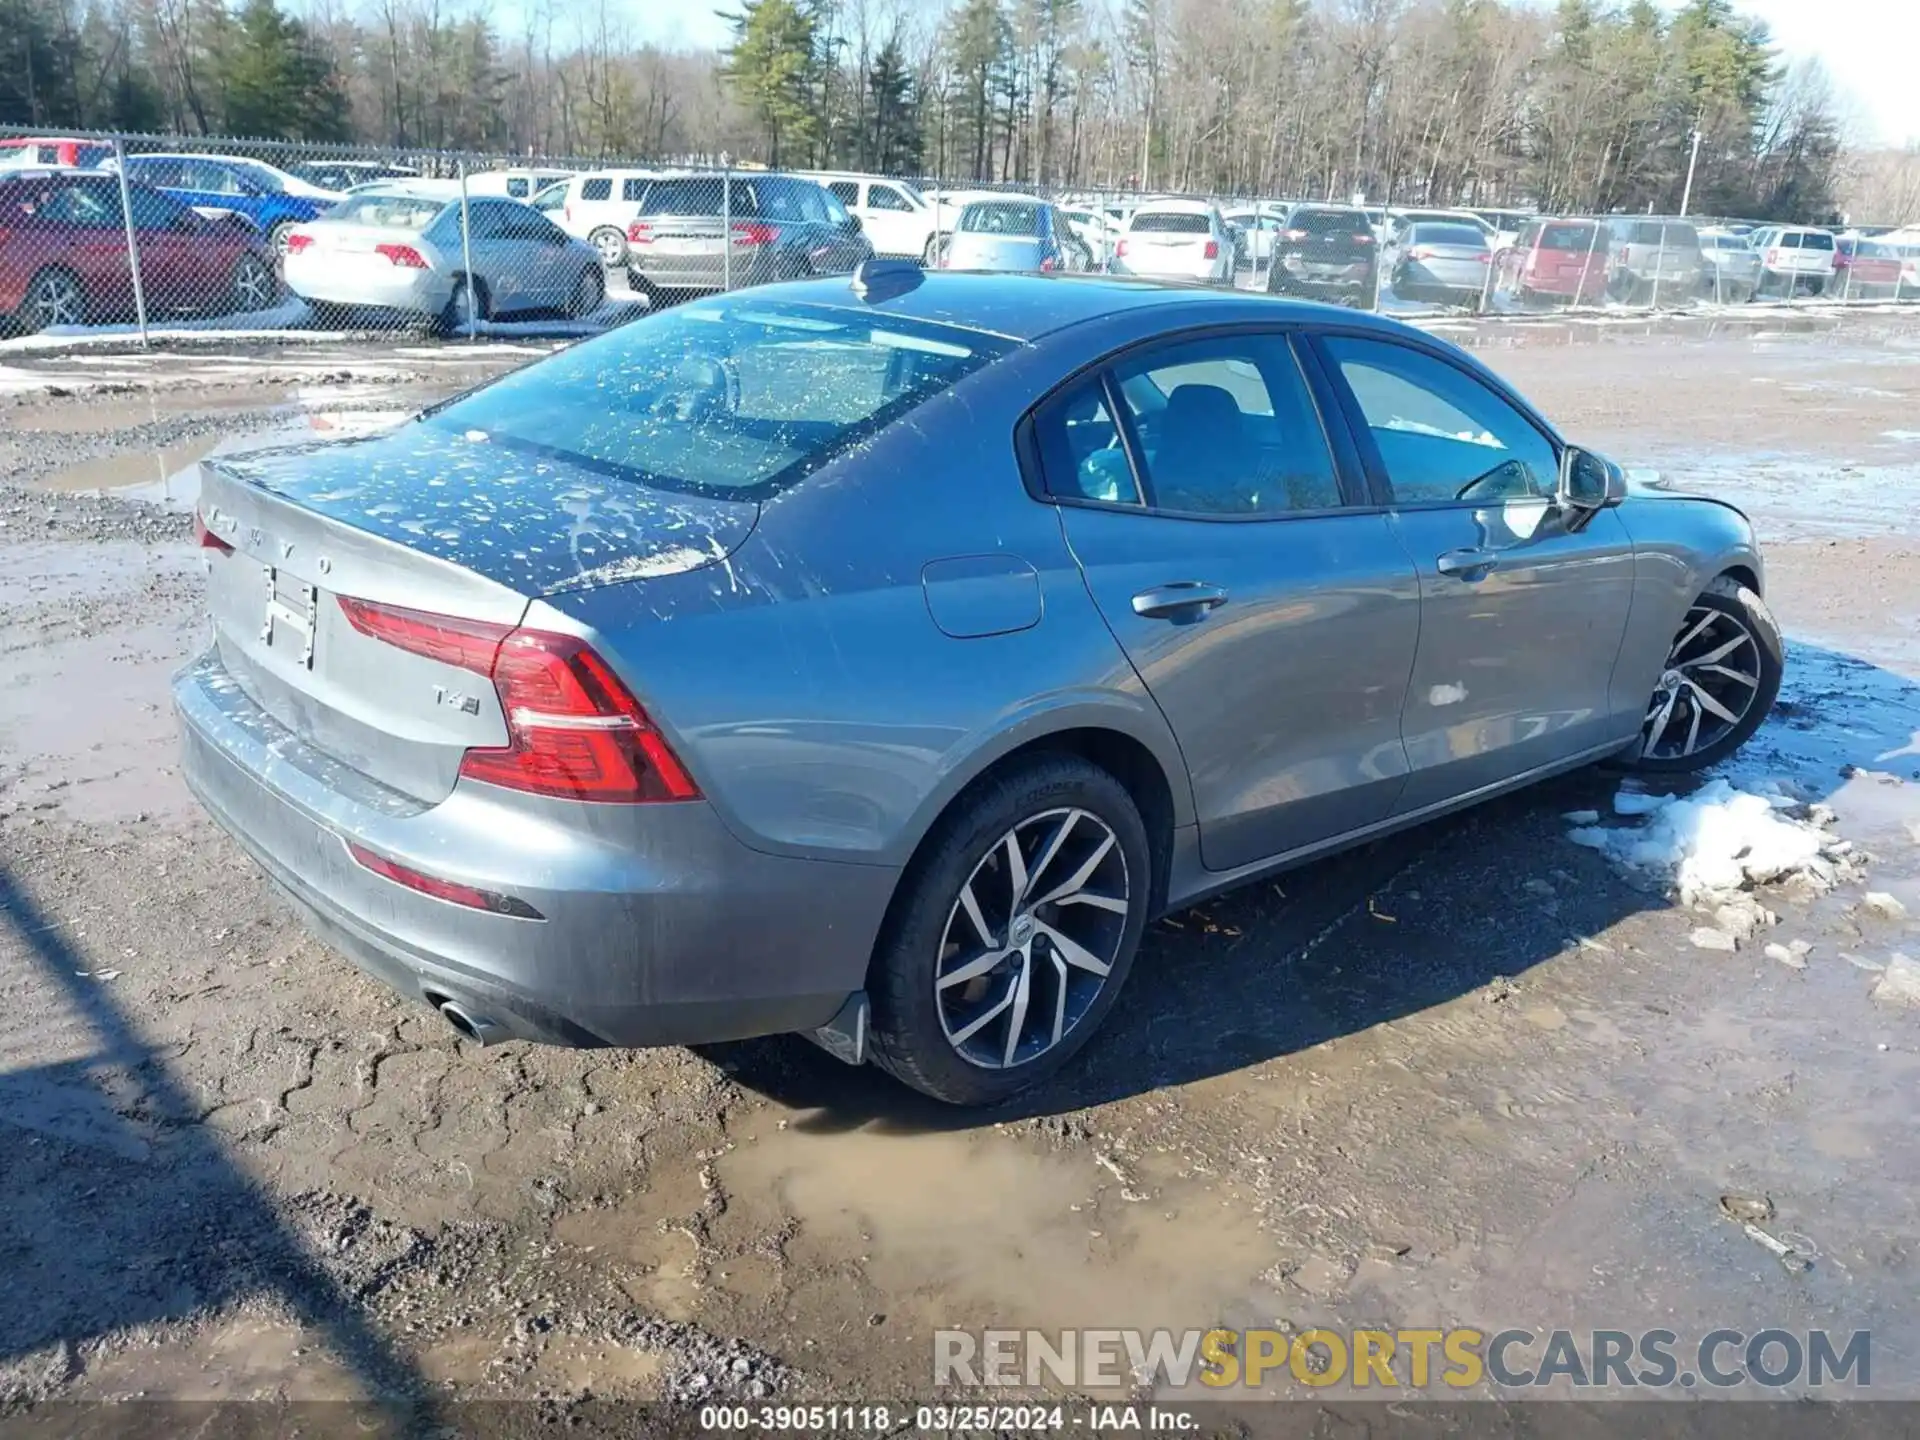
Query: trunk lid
[(428, 521)]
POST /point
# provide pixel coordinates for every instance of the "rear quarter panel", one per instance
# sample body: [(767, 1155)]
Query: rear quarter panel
[(803, 680), (1680, 544)]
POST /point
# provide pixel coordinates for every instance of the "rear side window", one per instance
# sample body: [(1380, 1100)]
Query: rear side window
[(727, 397), (1816, 240), (1222, 427), (1441, 434), (845, 191), (885, 197), (1166, 222), (632, 187), (600, 187)]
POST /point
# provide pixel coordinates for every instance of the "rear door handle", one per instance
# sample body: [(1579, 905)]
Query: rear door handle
[(1467, 564), (1180, 599)]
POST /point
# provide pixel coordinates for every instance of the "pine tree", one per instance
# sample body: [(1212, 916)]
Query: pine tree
[(275, 83), (770, 66), (896, 142)]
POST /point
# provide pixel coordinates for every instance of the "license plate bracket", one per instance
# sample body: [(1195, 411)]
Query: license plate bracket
[(292, 606)]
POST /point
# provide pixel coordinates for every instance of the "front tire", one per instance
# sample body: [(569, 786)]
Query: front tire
[(252, 287), (589, 293), (1721, 676), (459, 316), (55, 297), (611, 243), (1013, 932)]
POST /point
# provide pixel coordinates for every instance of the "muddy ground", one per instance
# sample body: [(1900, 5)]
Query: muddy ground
[(1472, 1075)]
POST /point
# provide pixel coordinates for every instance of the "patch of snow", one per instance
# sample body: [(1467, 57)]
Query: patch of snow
[(1717, 840)]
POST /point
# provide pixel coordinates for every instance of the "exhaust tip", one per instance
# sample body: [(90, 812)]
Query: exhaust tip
[(477, 1028)]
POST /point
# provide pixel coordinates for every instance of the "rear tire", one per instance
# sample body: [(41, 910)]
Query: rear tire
[(54, 297), (1731, 626), (252, 287), (951, 1041), (611, 243), (454, 318), (589, 294)]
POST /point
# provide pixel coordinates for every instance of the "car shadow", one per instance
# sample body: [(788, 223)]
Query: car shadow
[(161, 1206), (1370, 936)]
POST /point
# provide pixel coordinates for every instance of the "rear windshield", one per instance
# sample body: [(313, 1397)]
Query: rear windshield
[(395, 212), (1673, 237), (1000, 217), (1567, 237), (721, 397), (1722, 242), (690, 197), (1816, 240), (1448, 235), (1327, 222), (1170, 222)]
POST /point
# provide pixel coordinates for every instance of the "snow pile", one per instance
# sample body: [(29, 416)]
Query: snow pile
[(1721, 839)]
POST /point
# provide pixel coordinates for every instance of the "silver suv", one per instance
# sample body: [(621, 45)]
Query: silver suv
[(691, 235), (1650, 257)]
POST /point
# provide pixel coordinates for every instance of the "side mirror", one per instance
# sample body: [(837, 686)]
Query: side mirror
[(1589, 483)]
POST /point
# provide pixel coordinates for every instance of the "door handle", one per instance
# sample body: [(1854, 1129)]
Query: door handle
[(1467, 564), (1181, 599)]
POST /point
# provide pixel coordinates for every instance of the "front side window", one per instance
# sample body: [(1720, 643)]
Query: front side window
[(600, 187), (845, 191), (1442, 434), (632, 187), (885, 197)]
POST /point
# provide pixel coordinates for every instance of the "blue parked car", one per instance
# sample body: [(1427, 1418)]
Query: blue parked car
[(272, 199)]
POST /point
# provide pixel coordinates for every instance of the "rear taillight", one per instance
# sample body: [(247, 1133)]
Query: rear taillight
[(1213, 250), (1773, 257), (404, 256), (1119, 249), (297, 241), (1485, 257), (574, 731), (206, 539), (1365, 237), (1420, 252), (1048, 264), (1293, 234), (450, 890), (752, 232), (640, 233)]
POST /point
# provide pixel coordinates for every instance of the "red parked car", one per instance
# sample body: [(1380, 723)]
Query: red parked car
[(1556, 260), (1861, 266), (63, 253), (32, 152)]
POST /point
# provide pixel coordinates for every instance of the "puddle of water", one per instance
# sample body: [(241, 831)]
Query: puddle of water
[(170, 475), (241, 1359), (960, 1229)]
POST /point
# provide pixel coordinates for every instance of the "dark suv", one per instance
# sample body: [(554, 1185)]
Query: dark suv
[(1327, 251), (691, 236)]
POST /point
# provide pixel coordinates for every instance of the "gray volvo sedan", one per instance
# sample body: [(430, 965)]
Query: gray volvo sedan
[(876, 660)]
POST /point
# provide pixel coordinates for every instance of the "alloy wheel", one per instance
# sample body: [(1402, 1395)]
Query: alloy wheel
[(1032, 938), (56, 301), (1711, 678), (253, 286)]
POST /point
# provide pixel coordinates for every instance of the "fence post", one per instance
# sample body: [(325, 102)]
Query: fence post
[(1486, 281), (726, 221), (1659, 264), (1586, 270), (133, 243), (466, 258), (1846, 286)]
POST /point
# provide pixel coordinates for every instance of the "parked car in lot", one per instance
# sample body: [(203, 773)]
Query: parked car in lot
[(1794, 260), (1398, 221), (1550, 259), (1015, 233), (1100, 232), (1254, 232), (1326, 251), (1506, 225), (51, 152), (1175, 240), (894, 216), (1439, 261), (515, 182), (271, 200), (63, 253), (597, 206), (1864, 268), (690, 238), (1650, 258), (340, 176), (1730, 268), (403, 255), (589, 788)]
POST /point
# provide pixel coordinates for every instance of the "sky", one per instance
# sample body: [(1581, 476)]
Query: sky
[(1869, 47)]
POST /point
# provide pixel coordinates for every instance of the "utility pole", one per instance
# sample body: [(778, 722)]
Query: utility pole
[(1693, 159)]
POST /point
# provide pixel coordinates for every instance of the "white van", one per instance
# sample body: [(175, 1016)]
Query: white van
[(599, 205), (515, 183), (894, 214)]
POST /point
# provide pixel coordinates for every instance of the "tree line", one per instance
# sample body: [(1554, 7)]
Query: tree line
[(1585, 105)]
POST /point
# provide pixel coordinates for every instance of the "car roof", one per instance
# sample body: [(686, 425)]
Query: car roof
[(1029, 307), (1175, 207), (204, 155)]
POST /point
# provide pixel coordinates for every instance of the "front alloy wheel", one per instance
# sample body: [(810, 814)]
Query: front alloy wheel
[(54, 299), (1032, 938), (1720, 678)]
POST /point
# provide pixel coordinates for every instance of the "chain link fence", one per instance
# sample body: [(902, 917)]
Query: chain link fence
[(149, 234)]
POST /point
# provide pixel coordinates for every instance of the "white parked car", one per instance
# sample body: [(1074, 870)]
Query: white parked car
[(515, 183), (894, 216), (1099, 231), (597, 206), (1175, 240), (1257, 229), (403, 254), (1793, 258)]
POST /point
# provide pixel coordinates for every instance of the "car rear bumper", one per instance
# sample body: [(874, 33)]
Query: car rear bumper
[(377, 285), (687, 938)]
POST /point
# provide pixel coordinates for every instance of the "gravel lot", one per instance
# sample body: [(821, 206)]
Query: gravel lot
[(1472, 1075)]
